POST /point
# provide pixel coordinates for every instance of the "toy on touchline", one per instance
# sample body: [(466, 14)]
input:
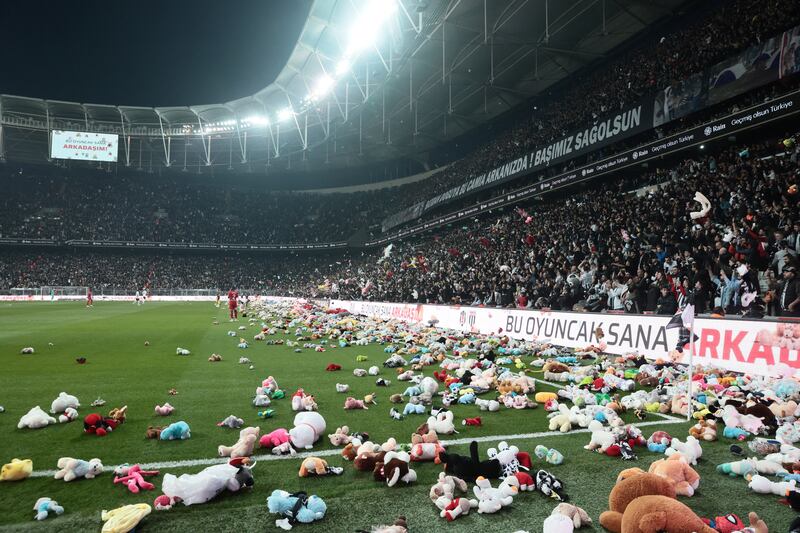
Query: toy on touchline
[(16, 470), (133, 477), (242, 447), (70, 469)]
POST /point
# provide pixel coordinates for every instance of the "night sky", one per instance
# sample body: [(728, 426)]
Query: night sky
[(146, 52)]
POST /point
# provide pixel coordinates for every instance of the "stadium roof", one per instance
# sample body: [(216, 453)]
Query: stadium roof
[(436, 69)]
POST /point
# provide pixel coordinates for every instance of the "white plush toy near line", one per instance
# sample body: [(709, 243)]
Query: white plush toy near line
[(35, 418), (63, 402), (309, 426), (690, 449)]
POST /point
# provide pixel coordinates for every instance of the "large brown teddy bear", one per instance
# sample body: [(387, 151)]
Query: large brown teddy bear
[(650, 514), (677, 470), (632, 486)]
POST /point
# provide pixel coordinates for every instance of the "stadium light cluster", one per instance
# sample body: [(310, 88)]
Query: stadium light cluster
[(362, 35)]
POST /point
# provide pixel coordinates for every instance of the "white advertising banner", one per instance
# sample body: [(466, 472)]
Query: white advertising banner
[(749, 346), (84, 146)]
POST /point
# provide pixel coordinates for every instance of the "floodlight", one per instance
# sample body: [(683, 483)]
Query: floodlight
[(342, 67), (257, 120), (365, 31), (285, 114), (323, 87)]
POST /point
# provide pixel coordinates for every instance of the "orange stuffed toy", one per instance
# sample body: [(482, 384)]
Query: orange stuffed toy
[(632, 486), (649, 514), (677, 470)]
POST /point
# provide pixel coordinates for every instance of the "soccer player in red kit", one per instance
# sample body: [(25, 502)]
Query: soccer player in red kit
[(89, 299), (233, 297)]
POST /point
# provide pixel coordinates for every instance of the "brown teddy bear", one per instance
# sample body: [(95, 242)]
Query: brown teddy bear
[(555, 367), (631, 487), (704, 430), (366, 461), (153, 432), (647, 514), (676, 469), (316, 466), (394, 468)]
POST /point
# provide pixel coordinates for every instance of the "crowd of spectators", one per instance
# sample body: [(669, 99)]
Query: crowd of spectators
[(627, 245)]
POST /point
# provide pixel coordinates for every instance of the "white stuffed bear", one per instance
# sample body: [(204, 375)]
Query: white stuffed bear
[(491, 500), (558, 523), (373, 371), (35, 418), (601, 437), (429, 385), (442, 423), (690, 450), (308, 427), (762, 485), (487, 405), (70, 468), (561, 420), (182, 351), (64, 401), (68, 415)]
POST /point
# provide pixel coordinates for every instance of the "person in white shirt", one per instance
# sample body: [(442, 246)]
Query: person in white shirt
[(138, 298), (144, 295)]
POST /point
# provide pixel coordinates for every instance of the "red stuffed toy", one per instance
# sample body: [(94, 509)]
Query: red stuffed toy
[(97, 425), (525, 481), (333, 367), (725, 524), (472, 421), (440, 376)]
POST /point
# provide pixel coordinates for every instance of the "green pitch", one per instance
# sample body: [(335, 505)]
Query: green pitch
[(124, 371)]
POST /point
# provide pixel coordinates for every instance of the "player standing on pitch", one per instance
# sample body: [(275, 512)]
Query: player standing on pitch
[(89, 299), (233, 297)]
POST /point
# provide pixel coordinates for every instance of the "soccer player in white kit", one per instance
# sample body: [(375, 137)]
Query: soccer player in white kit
[(144, 295), (138, 298)]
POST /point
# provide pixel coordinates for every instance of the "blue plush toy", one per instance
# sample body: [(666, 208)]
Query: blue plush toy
[(294, 508), (466, 399), (731, 432), (600, 417), (657, 447), (789, 477), (413, 391), (414, 409), (176, 430), (455, 387), (389, 349), (45, 506)]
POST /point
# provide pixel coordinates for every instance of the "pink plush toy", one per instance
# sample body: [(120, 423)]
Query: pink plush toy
[(164, 410), (133, 477), (278, 440), (352, 403)]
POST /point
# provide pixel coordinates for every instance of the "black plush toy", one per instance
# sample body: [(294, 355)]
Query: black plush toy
[(470, 468)]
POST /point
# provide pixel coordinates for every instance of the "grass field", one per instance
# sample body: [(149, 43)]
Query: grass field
[(124, 371)]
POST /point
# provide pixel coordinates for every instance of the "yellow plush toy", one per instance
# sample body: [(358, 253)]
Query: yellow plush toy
[(125, 518), (16, 470)]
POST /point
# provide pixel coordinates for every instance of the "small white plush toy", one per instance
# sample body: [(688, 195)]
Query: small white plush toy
[(342, 387), (762, 485), (182, 351), (68, 415), (27, 350), (35, 418), (690, 449), (373, 371), (558, 523), (601, 437), (64, 401), (491, 500)]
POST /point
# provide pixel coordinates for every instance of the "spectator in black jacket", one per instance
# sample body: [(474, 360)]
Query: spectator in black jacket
[(789, 293), (667, 305)]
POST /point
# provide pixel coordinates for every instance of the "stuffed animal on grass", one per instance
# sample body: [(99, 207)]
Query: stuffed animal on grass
[(426, 447), (309, 426), (399, 526), (125, 518), (661, 513), (690, 450), (442, 423), (677, 469), (191, 489), (444, 490), (490, 499), (232, 422), (27, 350), (176, 431), (561, 419), (36, 418), (414, 409), (164, 410), (763, 485), (64, 401), (342, 387), (318, 467), (352, 403), (295, 508), (215, 358), (470, 468), (244, 446), (601, 438), (628, 489), (133, 477), (45, 506), (16, 470), (557, 523), (394, 468), (735, 433), (575, 514), (551, 455), (487, 405), (69, 468), (182, 351), (704, 430)]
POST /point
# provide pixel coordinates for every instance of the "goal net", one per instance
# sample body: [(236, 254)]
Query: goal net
[(60, 292)]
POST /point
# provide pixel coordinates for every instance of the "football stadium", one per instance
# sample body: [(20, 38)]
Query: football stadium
[(400, 266)]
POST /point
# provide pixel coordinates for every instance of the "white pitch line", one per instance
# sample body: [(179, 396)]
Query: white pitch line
[(328, 453)]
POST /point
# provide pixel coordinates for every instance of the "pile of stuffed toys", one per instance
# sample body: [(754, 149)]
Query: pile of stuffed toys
[(759, 415)]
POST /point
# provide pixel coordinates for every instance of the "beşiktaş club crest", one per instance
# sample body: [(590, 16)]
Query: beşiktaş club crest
[(708, 131)]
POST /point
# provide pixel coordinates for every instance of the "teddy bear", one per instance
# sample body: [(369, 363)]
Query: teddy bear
[(309, 426), (244, 446), (70, 468), (176, 431), (601, 438), (629, 488), (366, 458), (278, 440), (352, 403), (153, 432), (394, 468), (341, 436), (676, 469), (487, 405), (490, 499), (316, 466), (164, 410), (64, 401), (16, 470), (68, 415), (232, 422), (45, 506), (690, 450), (561, 419), (661, 513), (442, 423), (471, 467), (704, 430), (578, 516), (36, 418), (445, 488), (425, 447)]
